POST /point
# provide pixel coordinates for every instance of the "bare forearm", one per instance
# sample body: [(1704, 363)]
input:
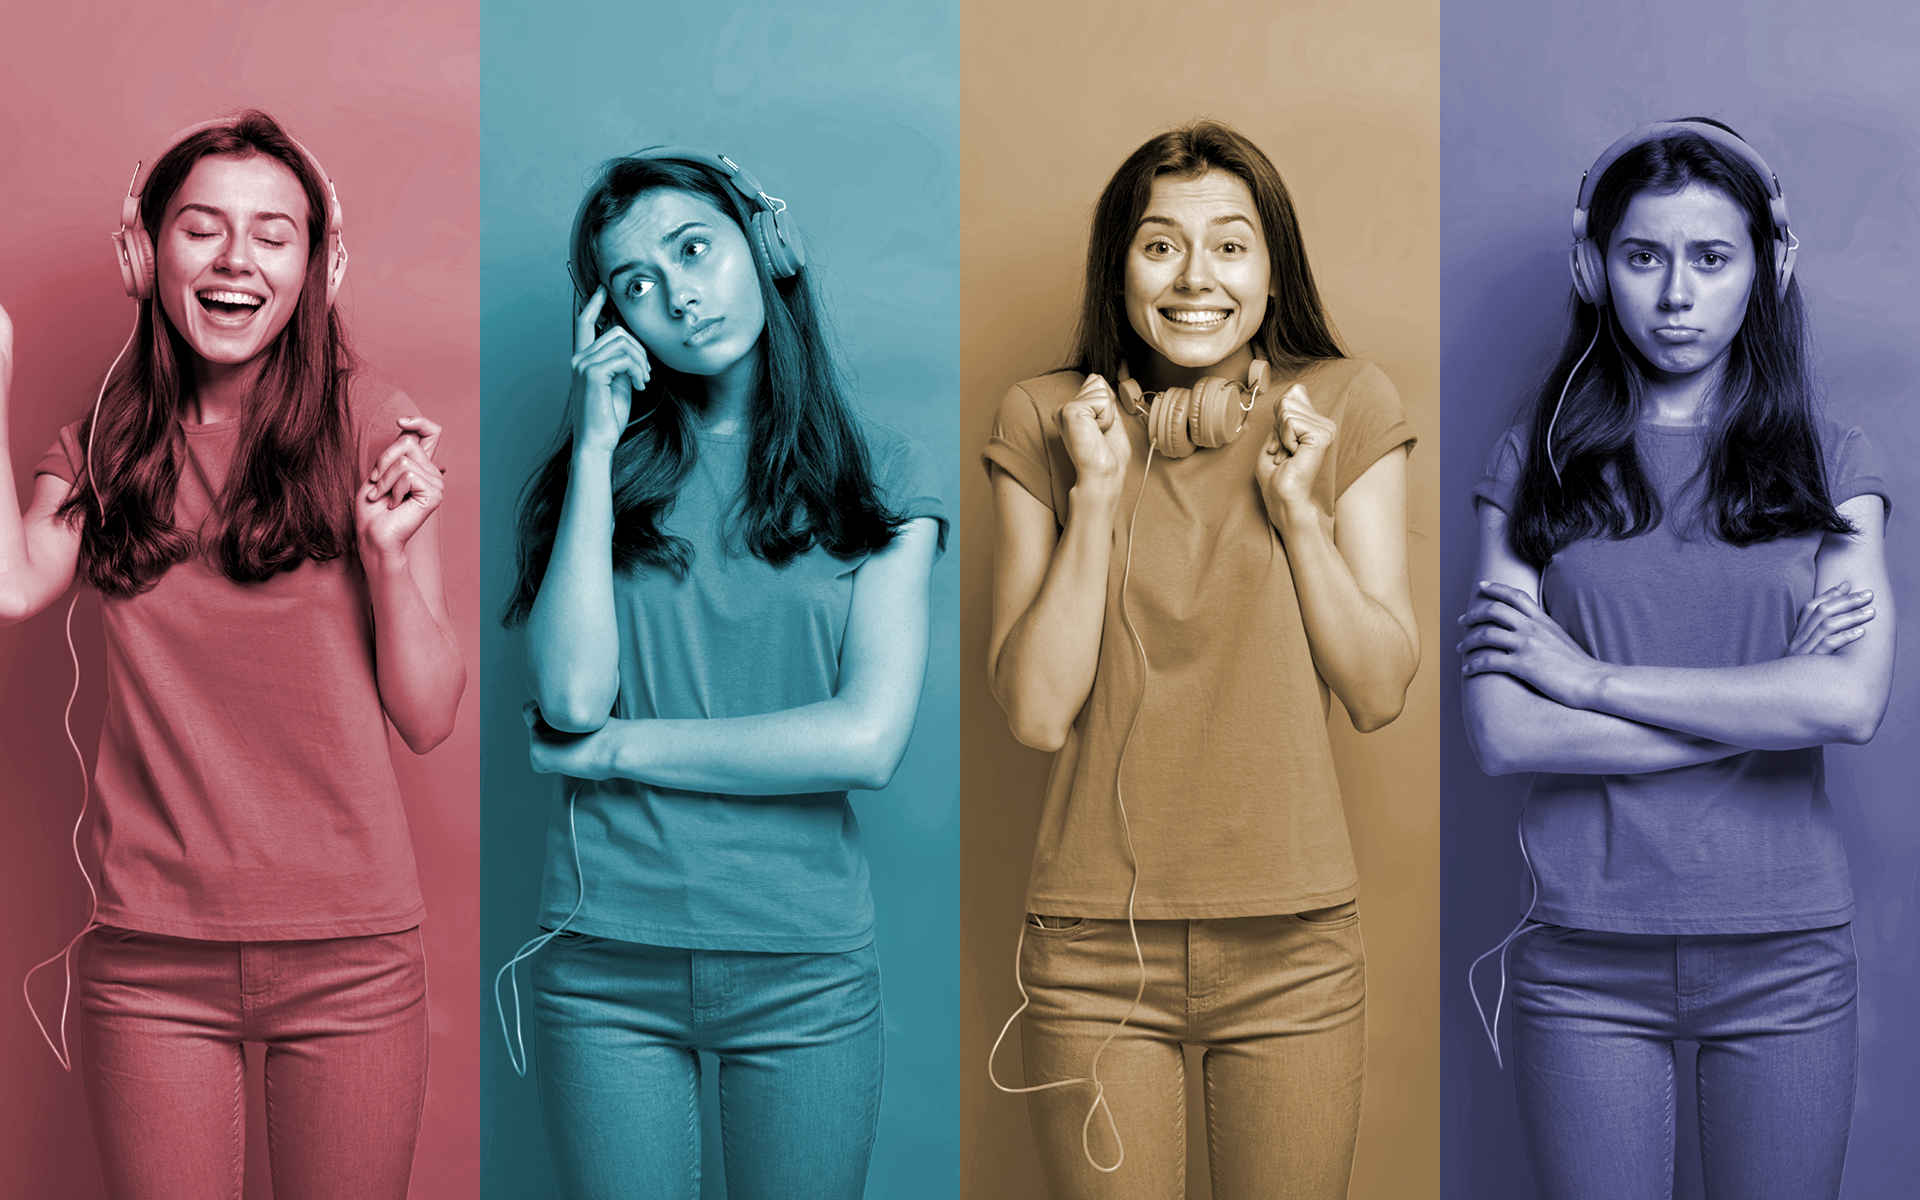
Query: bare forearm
[(1514, 728), (1785, 704), (1366, 654), (827, 747), (418, 665), (1045, 667), (573, 666)]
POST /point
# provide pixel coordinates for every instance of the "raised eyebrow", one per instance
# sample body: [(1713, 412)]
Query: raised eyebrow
[(1223, 219), (674, 234)]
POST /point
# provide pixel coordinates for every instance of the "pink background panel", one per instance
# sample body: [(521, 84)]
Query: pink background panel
[(386, 95)]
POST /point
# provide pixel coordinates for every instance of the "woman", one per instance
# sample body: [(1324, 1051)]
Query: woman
[(1171, 626), (256, 515), (1684, 596), (725, 586)]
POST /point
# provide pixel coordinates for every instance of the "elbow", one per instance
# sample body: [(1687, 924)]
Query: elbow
[(1377, 712), (1857, 728), (575, 709), (420, 739), (1039, 733), (874, 760), (1495, 754), (14, 607)]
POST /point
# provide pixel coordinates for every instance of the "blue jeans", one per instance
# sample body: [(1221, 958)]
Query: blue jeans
[(800, 1045), (1595, 1018)]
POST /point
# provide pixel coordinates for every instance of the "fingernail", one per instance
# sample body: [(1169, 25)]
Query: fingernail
[(1867, 595)]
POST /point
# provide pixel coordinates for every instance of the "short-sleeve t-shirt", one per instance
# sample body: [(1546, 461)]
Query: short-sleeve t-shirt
[(1746, 844), (731, 637), (1228, 781), (245, 784)]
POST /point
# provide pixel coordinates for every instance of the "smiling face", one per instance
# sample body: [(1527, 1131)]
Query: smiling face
[(683, 277), (231, 256), (1198, 276), (1680, 267)]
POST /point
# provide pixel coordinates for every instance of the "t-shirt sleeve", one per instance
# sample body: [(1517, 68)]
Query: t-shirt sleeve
[(1502, 479), (1853, 466), (909, 483), (63, 458), (1018, 445), (1371, 422), (374, 410)]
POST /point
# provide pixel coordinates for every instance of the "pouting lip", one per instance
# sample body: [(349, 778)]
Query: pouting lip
[(699, 330)]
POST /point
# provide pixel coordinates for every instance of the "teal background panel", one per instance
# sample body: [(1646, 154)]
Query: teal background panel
[(850, 113)]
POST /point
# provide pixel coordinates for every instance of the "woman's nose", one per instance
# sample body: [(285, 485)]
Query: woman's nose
[(236, 255), (684, 301), (1678, 292), (1196, 274)]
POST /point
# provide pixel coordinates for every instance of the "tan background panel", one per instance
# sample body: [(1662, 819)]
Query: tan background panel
[(1344, 97)]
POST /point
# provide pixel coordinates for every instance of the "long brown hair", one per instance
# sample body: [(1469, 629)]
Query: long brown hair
[(808, 482), (1294, 330), (1764, 472), (287, 495)]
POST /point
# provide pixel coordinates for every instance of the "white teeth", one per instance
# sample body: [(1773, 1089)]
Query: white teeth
[(250, 301), (1190, 317)]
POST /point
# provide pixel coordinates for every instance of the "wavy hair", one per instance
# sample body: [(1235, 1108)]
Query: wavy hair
[(808, 481), (1765, 475), (287, 497), (1294, 330)]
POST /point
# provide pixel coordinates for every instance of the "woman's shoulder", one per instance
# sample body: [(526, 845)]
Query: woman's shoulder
[(1340, 382), (373, 401), (1853, 466), (1047, 393)]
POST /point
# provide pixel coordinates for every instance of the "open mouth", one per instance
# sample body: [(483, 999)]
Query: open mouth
[(230, 304), (1200, 320)]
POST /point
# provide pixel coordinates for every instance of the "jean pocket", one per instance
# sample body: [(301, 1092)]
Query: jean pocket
[(1331, 917), (1043, 925)]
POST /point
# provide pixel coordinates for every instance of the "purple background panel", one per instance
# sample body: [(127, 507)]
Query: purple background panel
[(1830, 96)]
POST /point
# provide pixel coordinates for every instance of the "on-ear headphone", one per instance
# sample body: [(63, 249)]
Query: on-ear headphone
[(1211, 413), (1587, 260), (771, 228), (135, 244)]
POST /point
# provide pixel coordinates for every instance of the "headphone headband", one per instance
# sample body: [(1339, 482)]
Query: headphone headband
[(135, 244), (1589, 274), (770, 227)]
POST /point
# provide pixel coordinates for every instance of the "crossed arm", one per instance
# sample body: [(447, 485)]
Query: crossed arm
[(854, 739), (1535, 701)]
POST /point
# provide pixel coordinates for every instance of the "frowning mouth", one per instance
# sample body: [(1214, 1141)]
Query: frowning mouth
[(1676, 333)]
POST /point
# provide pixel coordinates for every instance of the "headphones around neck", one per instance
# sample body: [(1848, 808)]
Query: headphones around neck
[(1588, 260), (1211, 413), (135, 244), (776, 233)]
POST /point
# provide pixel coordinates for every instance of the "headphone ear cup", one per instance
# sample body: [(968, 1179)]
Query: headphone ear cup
[(136, 261), (1168, 423), (1216, 412), (780, 242), (1589, 273)]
